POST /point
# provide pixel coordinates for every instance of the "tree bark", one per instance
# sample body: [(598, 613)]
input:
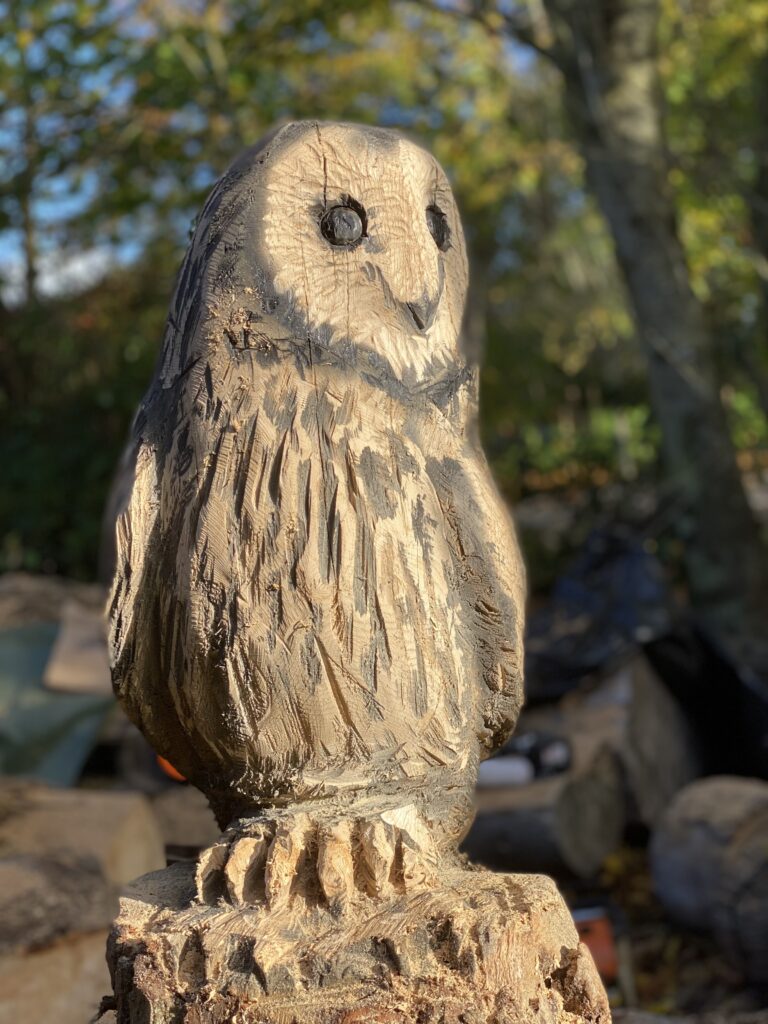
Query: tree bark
[(607, 52)]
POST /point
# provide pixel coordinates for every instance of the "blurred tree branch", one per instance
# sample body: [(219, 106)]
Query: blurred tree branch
[(137, 105), (607, 54)]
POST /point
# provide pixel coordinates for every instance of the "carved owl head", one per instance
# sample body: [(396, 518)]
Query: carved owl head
[(340, 239)]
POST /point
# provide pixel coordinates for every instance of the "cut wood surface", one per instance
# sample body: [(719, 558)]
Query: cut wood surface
[(64, 856), (63, 983), (632, 711), (570, 821), (317, 616), (78, 662), (477, 949)]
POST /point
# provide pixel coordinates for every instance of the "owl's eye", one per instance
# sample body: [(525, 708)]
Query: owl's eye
[(438, 227), (344, 224)]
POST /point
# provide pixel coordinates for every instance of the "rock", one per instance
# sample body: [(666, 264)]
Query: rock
[(78, 660), (479, 949), (709, 860)]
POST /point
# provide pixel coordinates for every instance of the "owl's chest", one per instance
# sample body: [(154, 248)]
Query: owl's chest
[(333, 490), (370, 454)]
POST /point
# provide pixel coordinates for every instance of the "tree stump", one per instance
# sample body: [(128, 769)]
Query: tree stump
[(317, 616), (477, 948)]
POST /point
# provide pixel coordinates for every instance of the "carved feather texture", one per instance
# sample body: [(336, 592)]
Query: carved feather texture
[(318, 588)]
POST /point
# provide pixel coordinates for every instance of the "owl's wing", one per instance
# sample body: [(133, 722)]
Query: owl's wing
[(491, 578), (133, 523)]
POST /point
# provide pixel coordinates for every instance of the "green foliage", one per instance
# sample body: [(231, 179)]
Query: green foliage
[(116, 119), (80, 367), (714, 59), (62, 67), (748, 421)]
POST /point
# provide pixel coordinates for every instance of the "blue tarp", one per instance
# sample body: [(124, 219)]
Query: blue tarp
[(44, 734)]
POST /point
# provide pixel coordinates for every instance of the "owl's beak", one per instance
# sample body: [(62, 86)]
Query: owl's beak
[(423, 312)]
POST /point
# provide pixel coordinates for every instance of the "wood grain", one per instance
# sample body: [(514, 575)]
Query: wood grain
[(317, 616), (318, 587), (479, 949)]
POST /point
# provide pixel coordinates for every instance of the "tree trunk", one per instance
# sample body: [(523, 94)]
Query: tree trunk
[(607, 52), (26, 188), (754, 355)]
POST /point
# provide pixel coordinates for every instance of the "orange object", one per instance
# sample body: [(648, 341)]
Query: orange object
[(169, 770), (596, 932)]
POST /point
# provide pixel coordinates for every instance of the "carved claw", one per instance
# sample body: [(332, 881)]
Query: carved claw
[(210, 866), (288, 847), (377, 846), (244, 870), (335, 865), (269, 861), (416, 849)]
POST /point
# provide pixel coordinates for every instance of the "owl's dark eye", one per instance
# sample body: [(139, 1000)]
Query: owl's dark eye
[(344, 224), (438, 227)]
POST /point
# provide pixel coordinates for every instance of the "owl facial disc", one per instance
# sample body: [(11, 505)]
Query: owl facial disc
[(357, 235)]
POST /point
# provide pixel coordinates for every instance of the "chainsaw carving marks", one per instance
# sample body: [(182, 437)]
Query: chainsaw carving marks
[(317, 617), (319, 593)]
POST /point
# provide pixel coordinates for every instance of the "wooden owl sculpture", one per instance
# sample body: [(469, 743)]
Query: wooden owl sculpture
[(317, 609)]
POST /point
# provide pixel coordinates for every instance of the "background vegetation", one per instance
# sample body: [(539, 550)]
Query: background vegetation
[(117, 116)]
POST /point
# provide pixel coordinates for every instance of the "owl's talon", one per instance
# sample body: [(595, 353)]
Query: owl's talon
[(377, 847), (244, 870), (209, 880), (335, 864), (287, 849), (271, 860), (416, 851), (417, 871)]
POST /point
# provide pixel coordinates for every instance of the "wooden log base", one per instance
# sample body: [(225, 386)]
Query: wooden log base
[(476, 947)]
